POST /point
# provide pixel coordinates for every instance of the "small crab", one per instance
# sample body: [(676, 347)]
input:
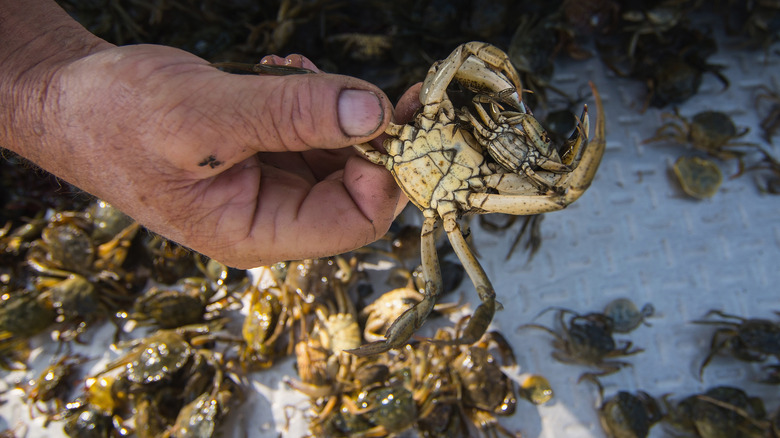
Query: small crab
[(83, 422), (107, 221), (169, 261), (77, 301), (267, 319), (303, 288), (330, 381), (388, 410), (187, 302), (720, 412), (750, 340), (160, 355), (446, 174), (627, 415), (200, 417), (362, 47), (587, 339), (337, 322), (314, 368), (671, 61), (46, 393), (66, 246), (712, 132), (386, 309), (536, 389), (405, 243), (653, 21), (24, 314), (755, 22), (380, 314), (485, 391), (515, 139), (699, 178), (768, 102), (626, 316), (768, 180), (314, 279), (485, 387)]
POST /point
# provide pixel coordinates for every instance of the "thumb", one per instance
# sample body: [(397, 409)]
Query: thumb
[(203, 115), (308, 111)]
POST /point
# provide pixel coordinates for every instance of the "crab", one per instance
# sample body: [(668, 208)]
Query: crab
[(627, 415), (747, 339), (190, 301), (483, 391), (320, 355), (385, 309), (445, 172), (712, 132), (536, 389), (699, 178), (46, 393), (380, 314), (771, 121), (721, 411), (278, 315), (337, 326), (587, 339), (201, 416), (626, 316)]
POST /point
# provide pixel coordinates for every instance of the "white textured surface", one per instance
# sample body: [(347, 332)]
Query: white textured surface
[(633, 234)]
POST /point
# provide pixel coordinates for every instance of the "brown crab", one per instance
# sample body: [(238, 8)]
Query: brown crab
[(444, 171)]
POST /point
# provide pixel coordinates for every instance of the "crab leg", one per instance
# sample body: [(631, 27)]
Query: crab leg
[(483, 314), (412, 319), (475, 65), (574, 147), (583, 175), (519, 205), (478, 73)]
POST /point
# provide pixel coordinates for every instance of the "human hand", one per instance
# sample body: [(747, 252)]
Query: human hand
[(246, 169)]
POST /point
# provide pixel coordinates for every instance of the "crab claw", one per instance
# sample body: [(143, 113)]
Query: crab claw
[(400, 331), (477, 325)]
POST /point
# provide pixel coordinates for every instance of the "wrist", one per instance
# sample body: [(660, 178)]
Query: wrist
[(38, 38)]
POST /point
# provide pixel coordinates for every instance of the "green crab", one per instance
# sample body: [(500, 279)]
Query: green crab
[(451, 162)]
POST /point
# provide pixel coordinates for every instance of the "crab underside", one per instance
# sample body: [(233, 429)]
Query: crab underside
[(490, 156)]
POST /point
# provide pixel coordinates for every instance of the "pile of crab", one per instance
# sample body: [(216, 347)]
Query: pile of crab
[(67, 272), (474, 147), (434, 387)]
